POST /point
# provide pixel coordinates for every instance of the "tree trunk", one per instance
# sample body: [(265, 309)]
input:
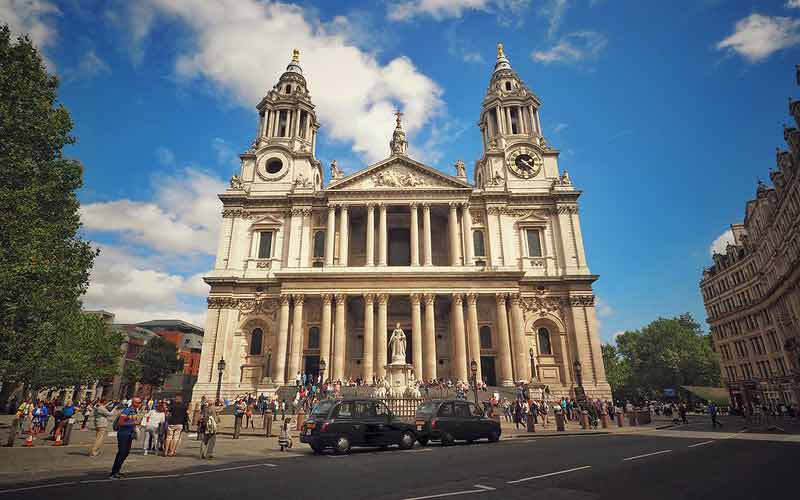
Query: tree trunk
[(5, 394)]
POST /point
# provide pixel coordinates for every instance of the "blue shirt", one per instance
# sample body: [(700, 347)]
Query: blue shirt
[(129, 425), (68, 411)]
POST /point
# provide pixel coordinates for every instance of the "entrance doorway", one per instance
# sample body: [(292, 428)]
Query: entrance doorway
[(399, 247), (487, 370), (311, 366)]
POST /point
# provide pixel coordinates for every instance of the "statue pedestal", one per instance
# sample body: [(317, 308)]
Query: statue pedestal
[(398, 375)]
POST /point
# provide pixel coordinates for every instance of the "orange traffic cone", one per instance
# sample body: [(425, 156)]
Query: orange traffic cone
[(58, 439), (29, 441)]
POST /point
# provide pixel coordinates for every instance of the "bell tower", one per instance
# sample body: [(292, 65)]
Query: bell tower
[(282, 156), (515, 154)]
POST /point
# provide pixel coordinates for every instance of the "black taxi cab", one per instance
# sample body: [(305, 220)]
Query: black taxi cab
[(342, 424), (451, 420)]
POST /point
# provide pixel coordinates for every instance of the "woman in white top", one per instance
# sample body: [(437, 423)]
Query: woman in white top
[(152, 423)]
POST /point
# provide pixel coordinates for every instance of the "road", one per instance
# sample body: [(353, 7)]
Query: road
[(568, 467)]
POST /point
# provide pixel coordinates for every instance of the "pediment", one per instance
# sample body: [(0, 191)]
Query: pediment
[(397, 173), (267, 220), (534, 217)]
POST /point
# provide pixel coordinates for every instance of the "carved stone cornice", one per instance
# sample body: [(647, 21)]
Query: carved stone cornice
[(266, 305), (222, 302), (300, 211), (582, 301), (237, 212)]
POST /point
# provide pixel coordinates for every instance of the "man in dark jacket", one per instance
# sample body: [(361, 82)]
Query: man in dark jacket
[(178, 417)]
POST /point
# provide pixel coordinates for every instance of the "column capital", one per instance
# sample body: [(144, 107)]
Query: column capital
[(414, 205), (458, 298), (500, 298), (465, 205), (343, 207), (285, 298), (369, 298), (515, 299), (371, 205), (426, 205), (298, 298), (429, 298), (340, 299), (382, 298), (327, 298), (381, 205), (332, 206), (472, 298), (416, 298), (453, 205)]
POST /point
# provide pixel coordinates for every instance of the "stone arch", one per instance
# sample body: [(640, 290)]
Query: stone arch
[(555, 326), (269, 340)]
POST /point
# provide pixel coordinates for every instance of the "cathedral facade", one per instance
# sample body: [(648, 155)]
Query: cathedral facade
[(490, 269)]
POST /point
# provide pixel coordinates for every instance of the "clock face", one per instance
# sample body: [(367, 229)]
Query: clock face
[(525, 164)]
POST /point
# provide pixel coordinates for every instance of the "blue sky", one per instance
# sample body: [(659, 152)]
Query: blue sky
[(666, 114)]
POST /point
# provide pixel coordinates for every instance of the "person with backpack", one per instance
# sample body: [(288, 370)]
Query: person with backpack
[(125, 425), (211, 427)]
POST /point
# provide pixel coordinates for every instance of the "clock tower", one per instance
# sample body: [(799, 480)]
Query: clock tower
[(516, 156)]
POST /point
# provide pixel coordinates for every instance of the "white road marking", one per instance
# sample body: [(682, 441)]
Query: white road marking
[(226, 469), (481, 489), (646, 455), (148, 477), (700, 444), (28, 488), (548, 475), (420, 450)]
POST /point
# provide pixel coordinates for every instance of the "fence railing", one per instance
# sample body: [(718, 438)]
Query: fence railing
[(403, 408)]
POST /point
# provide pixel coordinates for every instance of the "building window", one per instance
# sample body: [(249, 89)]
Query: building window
[(486, 337), (515, 129), (283, 123), (265, 245), (319, 244), (477, 244), (508, 85), (544, 341), (303, 120), (313, 337), (534, 243), (255, 342)]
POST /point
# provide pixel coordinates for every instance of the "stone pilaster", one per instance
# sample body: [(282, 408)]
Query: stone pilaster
[(466, 225), (522, 363), (452, 225), (296, 359), (383, 241), (414, 229), (472, 329), (381, 339), (279, 366), (340, 342), (429, 339), (344, 237), (459, 362), (503, 345), (367, 358), (330, 233), (370, 234), (325, 331), (416, 334), (426, 234)]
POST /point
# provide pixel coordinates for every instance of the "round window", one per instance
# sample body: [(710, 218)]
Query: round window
[(274, 166)]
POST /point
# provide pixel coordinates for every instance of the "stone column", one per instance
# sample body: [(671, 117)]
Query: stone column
[(455, 248), (566, 374), (522, 361), (503, 346), (383, 237), (296, 358), (339, 339), (370, 234), (366, 359), (416, 335), (472, 329), (426, 234), (414, 227), (279, 366), (329, 235), (325, 330), (344, 236), (380, 338), (429, 339), (459, 362), (466, 225)]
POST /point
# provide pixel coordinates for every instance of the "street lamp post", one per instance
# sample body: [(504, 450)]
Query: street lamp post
[(578, 369), (474, 367), (322, 367), (269, 362), (533, 364), (220, 369)]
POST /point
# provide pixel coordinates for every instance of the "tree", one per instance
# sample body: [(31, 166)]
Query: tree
[(667, 353), (45, 264), (158, 360)]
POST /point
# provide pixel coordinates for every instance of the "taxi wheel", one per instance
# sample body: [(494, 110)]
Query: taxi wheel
[(316, 449), (423, 441), (342, 446), (407, 441), (447, 439), (494, 437)]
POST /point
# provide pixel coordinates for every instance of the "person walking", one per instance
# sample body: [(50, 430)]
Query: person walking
[(712, 411), (100, 416), (682, 413), (202, 412), (248, 413), (152, 424), (285, 440), (126, 428), (211, 427), (176, 420), (239, 409)]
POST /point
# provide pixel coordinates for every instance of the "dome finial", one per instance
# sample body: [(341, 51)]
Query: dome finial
[(398, 114), (500, 53), (296, 56)]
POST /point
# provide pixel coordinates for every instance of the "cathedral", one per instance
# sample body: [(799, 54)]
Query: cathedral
[(486, 276)]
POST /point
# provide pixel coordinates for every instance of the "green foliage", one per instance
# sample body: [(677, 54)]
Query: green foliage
[(132, 372), (45, 264), (667, 353), (158, 360)]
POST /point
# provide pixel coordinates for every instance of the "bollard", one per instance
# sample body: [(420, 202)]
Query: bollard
[(560, 422), (301, 416), (264, 421), (584, 419), (604, 421), (68, 430), (12, 432), (619, 419), (268, 423), (530, 426)]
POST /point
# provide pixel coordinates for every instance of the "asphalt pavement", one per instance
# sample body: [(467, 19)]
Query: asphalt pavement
[(647, 465)]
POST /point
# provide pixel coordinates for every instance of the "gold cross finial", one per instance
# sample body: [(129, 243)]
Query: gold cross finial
[(398, 114), (296, 56), (500, 52)]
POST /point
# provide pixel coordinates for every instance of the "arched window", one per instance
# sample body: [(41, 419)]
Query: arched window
[(508, 85), (255, 342), (544, 341), (477, 244), (313, 337), (319, 244), (486, 337), (288, 89)]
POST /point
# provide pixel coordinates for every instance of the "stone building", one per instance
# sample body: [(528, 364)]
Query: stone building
[(751, 292), (491, 270)]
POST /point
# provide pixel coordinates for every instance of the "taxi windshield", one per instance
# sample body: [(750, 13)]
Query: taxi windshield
[(426, 408), (322, 408)]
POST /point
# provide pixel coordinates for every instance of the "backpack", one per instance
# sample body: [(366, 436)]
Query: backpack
[(211, 425), (115, 424)]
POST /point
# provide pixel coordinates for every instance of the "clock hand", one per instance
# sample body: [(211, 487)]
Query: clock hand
[(527, 164)]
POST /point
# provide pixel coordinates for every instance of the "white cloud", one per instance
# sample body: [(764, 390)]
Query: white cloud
[(242, 47), (437, 9), (617, 334), (34, 18), (225, 152), (554, 10), (165, 156), (602, 308), (184, 217), (793, 4), (720, 244), (90, 66), (574, 48), (559, 127), (756, 36)]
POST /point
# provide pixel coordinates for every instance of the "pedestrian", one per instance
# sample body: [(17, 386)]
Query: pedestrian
[(40, 415), (202, 413), (239, 409), (248, 413), (152, 424), (100, 416), (517, 414), (211, 426), (125, 425), (712, 411), (682, 413), (176, 420), (285, 440)]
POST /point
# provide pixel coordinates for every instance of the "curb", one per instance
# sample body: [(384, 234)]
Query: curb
[(534, 434)]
